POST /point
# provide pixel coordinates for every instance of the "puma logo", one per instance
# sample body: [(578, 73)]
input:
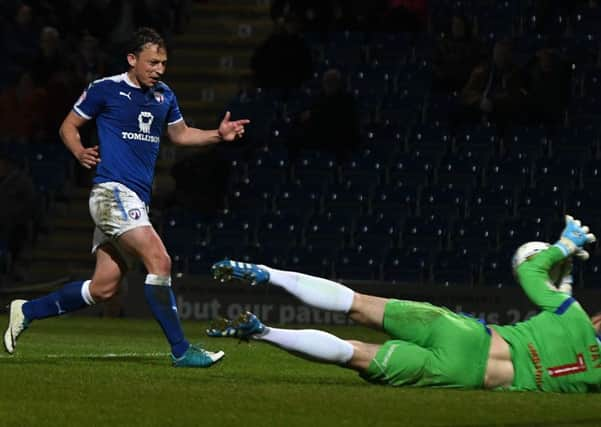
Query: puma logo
[(125, 94)]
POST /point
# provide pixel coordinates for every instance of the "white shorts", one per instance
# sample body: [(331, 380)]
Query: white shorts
[(116, 209)]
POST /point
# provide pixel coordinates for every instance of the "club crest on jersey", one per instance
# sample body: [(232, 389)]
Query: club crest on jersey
[(145, 119), (159, 97), (134, 213)]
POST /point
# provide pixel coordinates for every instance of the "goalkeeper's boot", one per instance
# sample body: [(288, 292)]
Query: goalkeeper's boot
[(196, 357), (17, 323), (245, 326), (227, 270)]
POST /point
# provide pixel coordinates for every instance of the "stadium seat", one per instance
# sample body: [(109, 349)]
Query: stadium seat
[(541, 202), (515, 232), (443, 199), (591, 174), (315, 165), (496, 201), (232, 229), (556, 171), (514, 171), (328, 230), (476, 234), (591, 272), (432, 139), (532, 140), (376, 234), (298, 199), (356, 264), (407, 266), (463, 172), (453, 268), (425, 232), (495, 270), (395, 200), (316, 261), (415, 169), (277, 231), (346, 196)]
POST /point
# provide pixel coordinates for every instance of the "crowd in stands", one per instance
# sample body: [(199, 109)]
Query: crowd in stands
[(449, 116), (432, 100), (52, 50)]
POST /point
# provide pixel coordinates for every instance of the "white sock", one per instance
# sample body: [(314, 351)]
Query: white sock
[(315, 344), (313, 291)]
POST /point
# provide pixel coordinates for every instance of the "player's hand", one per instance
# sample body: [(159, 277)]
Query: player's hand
[(231, 130), (89, 157), (573, 237)]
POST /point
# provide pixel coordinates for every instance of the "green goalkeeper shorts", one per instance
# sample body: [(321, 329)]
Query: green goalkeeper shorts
[(431, 347)]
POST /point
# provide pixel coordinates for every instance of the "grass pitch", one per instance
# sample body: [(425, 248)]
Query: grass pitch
[(94, 372)]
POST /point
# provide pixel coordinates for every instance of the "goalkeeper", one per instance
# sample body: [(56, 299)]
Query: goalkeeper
[(430, 346)]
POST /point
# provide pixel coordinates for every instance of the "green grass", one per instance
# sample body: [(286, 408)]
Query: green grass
[(64, 375)]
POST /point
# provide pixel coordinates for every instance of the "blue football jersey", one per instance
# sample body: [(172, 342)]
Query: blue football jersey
[(130, 122)]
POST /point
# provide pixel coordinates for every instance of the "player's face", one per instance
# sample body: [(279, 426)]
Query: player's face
[(148, 66)]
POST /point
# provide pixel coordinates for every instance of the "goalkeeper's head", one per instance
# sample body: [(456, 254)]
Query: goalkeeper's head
[(558, 272)]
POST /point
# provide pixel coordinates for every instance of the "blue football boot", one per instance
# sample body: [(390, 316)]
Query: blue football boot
[(227, 270), (243, 327), (196, 357)]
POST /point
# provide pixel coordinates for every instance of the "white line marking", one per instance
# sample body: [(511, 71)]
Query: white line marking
[(97, 355)]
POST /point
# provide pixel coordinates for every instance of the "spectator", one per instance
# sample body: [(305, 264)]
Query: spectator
[(24, 109), (21, 37), (548, 87), (17, 196), (90, 60), (50, 58), (282, 61), (495, 89), (334, 105), (456, 56)]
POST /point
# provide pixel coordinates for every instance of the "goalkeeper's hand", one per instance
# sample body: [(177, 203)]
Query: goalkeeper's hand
[(573, 237)]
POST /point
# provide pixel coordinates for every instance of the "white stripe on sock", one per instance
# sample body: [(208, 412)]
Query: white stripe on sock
[(85, 293)]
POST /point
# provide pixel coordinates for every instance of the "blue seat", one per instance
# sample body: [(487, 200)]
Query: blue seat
[(399, 200), (591, 174), (232, 229), (201, 261), (495, 270), (430, 139), (425, 231), (319, 165), (277, 231), (353, 264), (453, 268), (376, 234), (514, 232), (346, 196), (556, 171), (406, 266), (541, 202), (311, 260), (414, 169), (328, 230), (443, 199), (532, 140), (477, 234), (512, 171), (591, 272), (298, 199), (497, 201), (464, 172)]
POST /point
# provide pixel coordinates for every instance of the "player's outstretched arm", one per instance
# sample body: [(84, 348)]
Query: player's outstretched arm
[(534, 273), (69, 133), (180, 134)]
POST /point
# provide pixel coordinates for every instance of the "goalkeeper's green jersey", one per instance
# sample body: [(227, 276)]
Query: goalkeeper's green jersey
[(558, 349)]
